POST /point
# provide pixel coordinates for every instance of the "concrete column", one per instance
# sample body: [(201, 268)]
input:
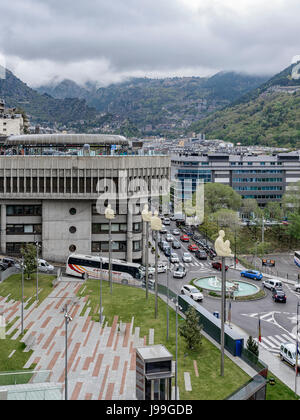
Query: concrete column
[(144, 243), (3, 228), (129, 234)]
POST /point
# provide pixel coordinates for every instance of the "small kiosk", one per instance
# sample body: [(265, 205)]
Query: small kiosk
[(153, 373)]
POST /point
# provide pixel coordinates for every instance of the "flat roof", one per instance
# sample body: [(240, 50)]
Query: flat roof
[(66, 139), (155, 352)]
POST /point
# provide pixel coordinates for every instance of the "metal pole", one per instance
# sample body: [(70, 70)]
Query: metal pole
[(37, 271), (147, 260), (100, 272), (263, 230), (156, 275), (297, 345), (110, 272), (235, 248), (176, 362), (223, 316), (22, 308), (66, 353), (168, 313)]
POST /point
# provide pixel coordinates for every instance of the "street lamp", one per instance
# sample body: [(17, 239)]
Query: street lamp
[(156, 226), (147, 215), (223, 250), (168, 312), (68, 319), (297, 346), (176, 357), (22, 306), (37, 270), (110, 215), (100, 275)]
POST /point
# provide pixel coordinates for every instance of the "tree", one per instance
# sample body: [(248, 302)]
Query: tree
[(291, 199), (273, 210), (219, 196), (252, 346), (190, 330), (30, 262), (250, 207)]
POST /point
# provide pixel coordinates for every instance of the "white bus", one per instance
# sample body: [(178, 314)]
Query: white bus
[(98, 267), (297, 258)]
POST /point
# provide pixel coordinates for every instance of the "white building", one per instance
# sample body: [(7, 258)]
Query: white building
[(11, 124)]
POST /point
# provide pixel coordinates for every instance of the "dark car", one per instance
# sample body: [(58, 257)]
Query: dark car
[(268, 263), (201, 255), (279, 295), (218, 266), (163, 244), (211, 252), (167, 251), (3, 266)]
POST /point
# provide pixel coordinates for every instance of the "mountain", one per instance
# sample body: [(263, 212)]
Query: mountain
[(160, 106), (267, 115), (43, 108)]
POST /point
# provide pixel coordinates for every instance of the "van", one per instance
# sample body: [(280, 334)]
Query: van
[(288, 354), (272, 284)]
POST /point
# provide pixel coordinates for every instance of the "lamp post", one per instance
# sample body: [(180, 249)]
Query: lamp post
[(223, 250), (147, 215), (176, 352), (156, 226), (22, 306), (68, 319), (297, 350), (100, 275), (110, 215), (37, 270), (168, 312)]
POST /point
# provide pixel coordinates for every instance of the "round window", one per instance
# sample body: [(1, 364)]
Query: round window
[(73, 211), (72, 248), (72, 229)]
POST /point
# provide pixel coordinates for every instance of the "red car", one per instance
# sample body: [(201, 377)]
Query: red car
[(193, 248), (184, 238), (218, 266)]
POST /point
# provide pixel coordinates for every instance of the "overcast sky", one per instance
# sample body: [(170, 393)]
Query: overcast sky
[(109, 40)]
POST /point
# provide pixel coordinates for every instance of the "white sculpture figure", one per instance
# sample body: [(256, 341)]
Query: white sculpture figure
[(156, 223), (222, 248), (146, 214), (109, 213)]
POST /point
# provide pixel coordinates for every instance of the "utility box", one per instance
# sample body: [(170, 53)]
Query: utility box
[(153, 373)]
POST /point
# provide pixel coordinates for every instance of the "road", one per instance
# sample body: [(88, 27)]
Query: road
[(278, 321)]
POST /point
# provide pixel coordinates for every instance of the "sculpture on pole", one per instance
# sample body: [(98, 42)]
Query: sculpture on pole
[(222, 248)]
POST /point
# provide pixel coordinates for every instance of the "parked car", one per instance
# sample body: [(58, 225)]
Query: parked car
[(176, 232), (174, 258), (279, 295), (10, 262), (45, 267), (151, 271), (169, 238), (193, 248), (201, 254), (176, 245), (180, 271), (297, 287), (192, 292), (3, 266), (184, 238), (271, 284), (288, 353), (252, 274), (186, 257), (218, 266), (211, 252)]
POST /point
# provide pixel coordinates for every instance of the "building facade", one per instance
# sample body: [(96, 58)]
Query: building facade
[(10, 123), (60, 201), (263, 178)]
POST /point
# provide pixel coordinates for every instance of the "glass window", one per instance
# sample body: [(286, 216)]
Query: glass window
[(28, 229)]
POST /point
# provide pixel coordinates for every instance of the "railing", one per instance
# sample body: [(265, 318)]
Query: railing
[(24, 377)]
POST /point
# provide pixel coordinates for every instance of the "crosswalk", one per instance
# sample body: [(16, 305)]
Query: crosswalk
[(195, 264), (273, 343)]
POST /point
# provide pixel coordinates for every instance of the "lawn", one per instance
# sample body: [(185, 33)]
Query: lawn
[(13, 287), (127, 302)]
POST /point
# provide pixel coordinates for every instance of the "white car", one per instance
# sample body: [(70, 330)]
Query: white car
[(192, 292), (167, 221), (162, 267), (179, 272), (176, 232), (297, 287), (174, 258), (151, 271), (169, 238), (186, 257), (45, 267), (271, 284)]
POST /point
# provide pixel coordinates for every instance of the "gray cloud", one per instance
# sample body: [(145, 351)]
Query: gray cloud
[(107, 41)]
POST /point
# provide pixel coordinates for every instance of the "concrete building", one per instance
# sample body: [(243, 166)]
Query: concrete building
[(53, 199), (264, 178), (10, 122)]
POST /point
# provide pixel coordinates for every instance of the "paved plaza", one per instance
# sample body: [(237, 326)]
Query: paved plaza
[(101, 358)]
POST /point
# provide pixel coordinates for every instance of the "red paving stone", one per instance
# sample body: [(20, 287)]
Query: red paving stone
[(116, 342), (50, 348), (145, 340), (50, 338), (86, 324), (116, 363), (53, 361), (127, 334), (103, 382), (76, 364), (133, 361), (87, 363), (112, 332), (98, 365), (88, 334), (46, 322), (110, 391), (123, 378), (88, 397), (76, 391), (196, 369), (71, 360)]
